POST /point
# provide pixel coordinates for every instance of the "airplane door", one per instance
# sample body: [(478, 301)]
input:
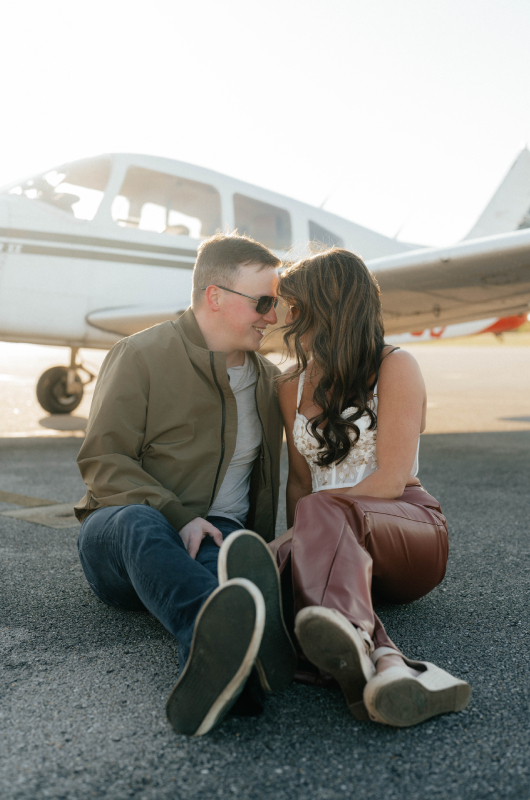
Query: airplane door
[(161, 219)]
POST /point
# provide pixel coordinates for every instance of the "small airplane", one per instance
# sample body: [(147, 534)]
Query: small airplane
[(101, 248)]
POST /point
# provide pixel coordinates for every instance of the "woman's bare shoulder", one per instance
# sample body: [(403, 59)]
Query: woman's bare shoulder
[(288, 370), (399, 365), (288, 386), (397, 358)]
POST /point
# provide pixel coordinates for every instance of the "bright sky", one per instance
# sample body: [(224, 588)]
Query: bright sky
[(406, 115)]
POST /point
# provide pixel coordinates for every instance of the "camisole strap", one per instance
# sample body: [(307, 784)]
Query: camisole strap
[(373, 388), (390, 353), (300, 389)]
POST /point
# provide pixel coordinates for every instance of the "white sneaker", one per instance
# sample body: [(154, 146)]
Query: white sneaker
[(244, 554), (225, 644)]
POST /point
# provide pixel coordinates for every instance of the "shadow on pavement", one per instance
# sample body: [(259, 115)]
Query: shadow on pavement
[(64, 422)]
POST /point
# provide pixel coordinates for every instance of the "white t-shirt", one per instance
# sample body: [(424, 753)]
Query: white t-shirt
[(232, 500)]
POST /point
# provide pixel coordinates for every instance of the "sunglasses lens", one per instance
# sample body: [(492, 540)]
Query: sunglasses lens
[(265, 303)]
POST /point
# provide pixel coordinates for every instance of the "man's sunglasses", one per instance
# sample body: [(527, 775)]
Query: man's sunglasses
[(263, 303)]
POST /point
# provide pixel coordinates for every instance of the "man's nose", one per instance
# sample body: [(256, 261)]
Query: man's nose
[(270, 317)]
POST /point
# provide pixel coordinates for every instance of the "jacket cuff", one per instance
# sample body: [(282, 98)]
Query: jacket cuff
[(177, 515)]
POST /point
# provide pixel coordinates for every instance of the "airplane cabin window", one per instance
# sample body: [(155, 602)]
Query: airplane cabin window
[(266, 223), (319, 234), (76, 188), (162, 203)]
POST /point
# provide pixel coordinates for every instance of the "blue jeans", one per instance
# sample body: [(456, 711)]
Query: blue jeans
[(134, 559)]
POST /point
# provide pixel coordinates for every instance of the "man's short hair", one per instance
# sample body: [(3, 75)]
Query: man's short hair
[(220, 257)]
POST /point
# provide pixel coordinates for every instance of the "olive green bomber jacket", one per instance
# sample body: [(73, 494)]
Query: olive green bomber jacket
[(163, 424)]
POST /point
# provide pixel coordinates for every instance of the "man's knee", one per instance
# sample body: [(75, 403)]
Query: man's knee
[(143, 530), (122, 515), (127, 528), (139, 516)]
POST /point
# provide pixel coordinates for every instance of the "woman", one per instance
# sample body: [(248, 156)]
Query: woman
[(362, 525)]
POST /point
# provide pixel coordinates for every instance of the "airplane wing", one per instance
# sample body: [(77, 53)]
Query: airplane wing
[(470, 280), (126, 320), (420, 289)]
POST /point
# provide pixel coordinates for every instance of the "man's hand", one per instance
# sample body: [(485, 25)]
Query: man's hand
[(194, 532)]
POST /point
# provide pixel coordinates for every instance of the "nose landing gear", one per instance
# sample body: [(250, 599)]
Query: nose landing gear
[(60, 389)]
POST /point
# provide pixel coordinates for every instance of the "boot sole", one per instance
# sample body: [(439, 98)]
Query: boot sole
[(327, 642), (225, 644), (407, 701), (245, 555)]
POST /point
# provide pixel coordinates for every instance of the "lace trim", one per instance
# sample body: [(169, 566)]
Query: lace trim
[(362, 454)]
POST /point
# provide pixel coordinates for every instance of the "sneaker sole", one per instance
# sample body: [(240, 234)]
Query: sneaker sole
[(327, 642), (245, 555), (407, 702), (225, 645)]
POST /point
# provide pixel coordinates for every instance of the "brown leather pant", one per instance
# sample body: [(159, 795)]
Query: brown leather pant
[(345, 551)]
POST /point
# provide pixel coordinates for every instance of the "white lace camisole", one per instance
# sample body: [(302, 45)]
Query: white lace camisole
[(360, 462)]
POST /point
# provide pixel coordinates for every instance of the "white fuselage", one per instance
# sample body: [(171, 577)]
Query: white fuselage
[(102, 248), (87, 283)]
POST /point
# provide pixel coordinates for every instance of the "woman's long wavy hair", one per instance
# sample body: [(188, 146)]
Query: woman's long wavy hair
[(340, 316)]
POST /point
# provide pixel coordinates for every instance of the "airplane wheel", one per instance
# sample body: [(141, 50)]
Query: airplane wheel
[(51, 391)]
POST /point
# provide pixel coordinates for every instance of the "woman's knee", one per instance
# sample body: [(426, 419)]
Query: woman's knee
[(322, 513), (321, 504), (311, 516)]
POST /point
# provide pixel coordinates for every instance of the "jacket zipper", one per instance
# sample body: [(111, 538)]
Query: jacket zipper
[(268, 450), (223, 420)]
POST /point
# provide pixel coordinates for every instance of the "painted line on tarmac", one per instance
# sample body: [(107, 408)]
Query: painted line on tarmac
[(58, 515), (43, 434), (25, 500)]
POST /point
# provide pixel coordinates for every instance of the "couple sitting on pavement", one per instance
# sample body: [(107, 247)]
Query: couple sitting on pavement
[(182, 460)]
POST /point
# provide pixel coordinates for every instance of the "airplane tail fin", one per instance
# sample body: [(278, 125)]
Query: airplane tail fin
[(509, 208)]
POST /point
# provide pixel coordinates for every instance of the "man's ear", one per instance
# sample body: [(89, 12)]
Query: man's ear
[(213, 298)]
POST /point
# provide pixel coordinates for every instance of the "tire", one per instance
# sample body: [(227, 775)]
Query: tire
[(51, 391)]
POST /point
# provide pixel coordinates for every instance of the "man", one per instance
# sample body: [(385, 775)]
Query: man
[(182, 449)]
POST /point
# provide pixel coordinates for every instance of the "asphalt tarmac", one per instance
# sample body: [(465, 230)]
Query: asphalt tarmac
[(84, 685)]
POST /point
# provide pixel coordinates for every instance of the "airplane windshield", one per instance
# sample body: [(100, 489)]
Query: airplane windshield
[(163, 203), (76, 188)]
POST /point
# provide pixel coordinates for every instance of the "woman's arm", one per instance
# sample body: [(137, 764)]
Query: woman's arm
[(299, 482), (402, 402)]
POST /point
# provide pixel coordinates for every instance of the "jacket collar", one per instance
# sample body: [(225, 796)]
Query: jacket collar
[(190, 328)]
